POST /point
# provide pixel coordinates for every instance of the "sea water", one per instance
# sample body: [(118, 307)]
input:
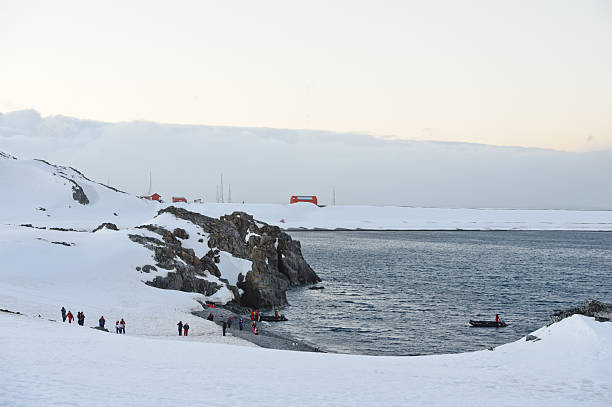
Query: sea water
[(413, 293)]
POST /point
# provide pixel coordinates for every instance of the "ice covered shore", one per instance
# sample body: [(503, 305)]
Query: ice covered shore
[(309, 216)]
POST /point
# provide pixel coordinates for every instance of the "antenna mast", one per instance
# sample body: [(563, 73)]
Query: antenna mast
[(222, 188), (150, 184)]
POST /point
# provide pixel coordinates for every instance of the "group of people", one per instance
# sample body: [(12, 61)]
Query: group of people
[(183, 328), (119, 325), (69, 316)]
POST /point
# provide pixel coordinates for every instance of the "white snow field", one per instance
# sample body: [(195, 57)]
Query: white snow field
[(44, 362), (309, 216), (54, 364)]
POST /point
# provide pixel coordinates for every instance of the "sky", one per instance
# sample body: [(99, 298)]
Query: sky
[(520, 73)]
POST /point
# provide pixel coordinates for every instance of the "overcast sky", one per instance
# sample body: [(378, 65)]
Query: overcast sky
[(519, 73)]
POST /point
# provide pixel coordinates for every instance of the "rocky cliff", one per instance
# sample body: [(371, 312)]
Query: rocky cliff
[(277, 261)]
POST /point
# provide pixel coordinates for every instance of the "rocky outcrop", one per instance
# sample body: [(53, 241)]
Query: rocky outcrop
[(106, 225), (78, 194), (186, 271), (277, 259), (601, 311)]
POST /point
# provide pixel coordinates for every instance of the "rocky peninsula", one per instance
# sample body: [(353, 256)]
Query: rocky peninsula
[(277, 261)]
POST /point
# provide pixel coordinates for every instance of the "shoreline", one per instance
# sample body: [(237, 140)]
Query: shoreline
[(265, 339), (440, 230)]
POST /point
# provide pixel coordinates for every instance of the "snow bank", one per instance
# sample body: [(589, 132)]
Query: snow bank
[(52, 363)]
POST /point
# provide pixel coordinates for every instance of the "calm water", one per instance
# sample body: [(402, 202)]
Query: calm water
[(412, 293)]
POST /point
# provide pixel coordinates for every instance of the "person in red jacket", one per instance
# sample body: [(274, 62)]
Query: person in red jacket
[(497, 318), (70, 317), (102, 321)]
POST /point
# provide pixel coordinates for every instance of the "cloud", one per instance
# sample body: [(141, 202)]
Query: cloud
[(269, 165)]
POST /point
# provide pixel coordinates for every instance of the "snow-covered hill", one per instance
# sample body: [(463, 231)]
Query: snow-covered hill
[(42, 194), (51, 256)]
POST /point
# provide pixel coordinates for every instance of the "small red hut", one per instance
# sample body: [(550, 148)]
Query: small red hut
[(154, 197)]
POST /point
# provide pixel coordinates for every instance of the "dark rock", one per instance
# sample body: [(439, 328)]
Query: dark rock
[(180, 233), (77, 192), (64, 243), (148, 268), (591, 308), (99, 328), (107, 225), (138, 268), (531, 338), (10, 312)]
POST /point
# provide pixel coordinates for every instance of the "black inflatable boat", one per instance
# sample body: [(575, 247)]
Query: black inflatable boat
[(488, 324)]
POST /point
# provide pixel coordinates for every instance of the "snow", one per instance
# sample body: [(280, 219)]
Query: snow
[(231, 266), (309, 216), (52, 363), (29, 185), (171, 222)]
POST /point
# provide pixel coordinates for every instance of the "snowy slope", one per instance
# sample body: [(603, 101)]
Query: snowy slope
[(50, 363), (96, 274), (41, 194)]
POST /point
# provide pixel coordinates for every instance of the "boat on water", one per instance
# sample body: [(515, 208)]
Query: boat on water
[(272, 318), (488, 324)]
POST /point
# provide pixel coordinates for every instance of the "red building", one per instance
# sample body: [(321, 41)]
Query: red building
[(179, 199), (303, 198), (154, 197)]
